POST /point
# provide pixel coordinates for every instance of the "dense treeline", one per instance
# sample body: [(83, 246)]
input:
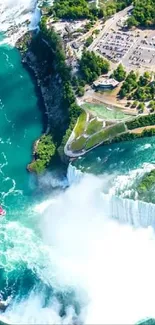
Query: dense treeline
[(143, 14), (72, 9), (138, 88), (55, 44), (129, 84), (77, 9), (52, 60), (132, 136), (141, 121), (111, 7), (92, 66)]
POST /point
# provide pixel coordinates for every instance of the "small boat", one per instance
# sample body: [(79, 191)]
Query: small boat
[(2, 211)]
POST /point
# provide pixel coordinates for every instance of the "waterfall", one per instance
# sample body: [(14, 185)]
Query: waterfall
[(134, 212), (73, 175)]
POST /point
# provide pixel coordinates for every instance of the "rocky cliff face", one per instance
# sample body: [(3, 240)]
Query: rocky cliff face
[(38, 57)]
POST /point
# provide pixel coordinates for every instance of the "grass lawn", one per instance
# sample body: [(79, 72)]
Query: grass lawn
[(80, 126), (105, 134), (106, 113), (78, 144), (94, 126)]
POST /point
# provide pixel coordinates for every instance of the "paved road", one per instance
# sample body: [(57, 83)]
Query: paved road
[(109, 23)]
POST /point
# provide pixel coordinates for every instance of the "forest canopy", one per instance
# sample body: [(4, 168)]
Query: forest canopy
[(76, 9), (143, 14), (92, 66)]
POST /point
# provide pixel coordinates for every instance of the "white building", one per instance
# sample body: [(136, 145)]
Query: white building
[(105, 83)]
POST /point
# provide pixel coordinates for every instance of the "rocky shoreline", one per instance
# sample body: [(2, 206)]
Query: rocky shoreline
[(48, 88)]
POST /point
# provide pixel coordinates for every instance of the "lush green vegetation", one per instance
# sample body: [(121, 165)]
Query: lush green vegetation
[(141, 108), (105, 134), (45, 150), (104, 112), (80, 91), (88, 41), (94, 126), (55, 43), (152, 106), (78, 144), (119, 74), (143, 14), (81, 123), (92, 66), (139, 89), (144, 93), (131, 136), (77, 9), (147, 182), (71, 9), (71, 109), (141, 121), (109, 8), (129, 84)]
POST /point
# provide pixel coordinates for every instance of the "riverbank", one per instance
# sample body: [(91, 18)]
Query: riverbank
[(49, 89), (45, 54)]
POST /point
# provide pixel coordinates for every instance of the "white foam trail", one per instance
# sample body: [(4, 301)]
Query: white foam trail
[(41, 207), (50, 180), (32, 311)]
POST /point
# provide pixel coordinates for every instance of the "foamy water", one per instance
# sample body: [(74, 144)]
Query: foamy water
[(16, 16), (109, 265), (125, 185)]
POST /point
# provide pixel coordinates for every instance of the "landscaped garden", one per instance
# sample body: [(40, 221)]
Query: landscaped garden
[(106, 113)]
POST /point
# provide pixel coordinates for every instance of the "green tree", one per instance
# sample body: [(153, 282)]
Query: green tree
[(152, 106), (80, 91), (143, 13), (132, 22), (141, 107), (134, 104), (92, 66), (119, 74), (145, 79), (88, 41)]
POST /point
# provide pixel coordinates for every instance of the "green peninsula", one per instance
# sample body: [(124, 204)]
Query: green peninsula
[(85, 90)]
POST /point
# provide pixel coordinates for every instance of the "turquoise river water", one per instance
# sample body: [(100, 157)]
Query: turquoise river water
[(48, 274)]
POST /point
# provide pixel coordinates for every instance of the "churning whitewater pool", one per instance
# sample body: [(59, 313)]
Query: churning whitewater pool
[(80, 255)]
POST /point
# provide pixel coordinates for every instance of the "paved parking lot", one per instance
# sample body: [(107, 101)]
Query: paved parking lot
[(142, 54), (114, 45), (135, 49)]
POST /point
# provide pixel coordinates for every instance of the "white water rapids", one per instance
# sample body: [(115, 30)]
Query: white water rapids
[(109, 264), (16, 16)]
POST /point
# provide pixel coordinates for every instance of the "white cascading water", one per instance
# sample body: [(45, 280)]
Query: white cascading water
[(109, 264), (16, 16), (134, 212)]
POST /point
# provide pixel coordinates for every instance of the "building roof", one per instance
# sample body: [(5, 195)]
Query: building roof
[(102, 81)]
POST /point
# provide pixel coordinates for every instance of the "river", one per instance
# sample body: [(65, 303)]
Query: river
[(64, 259)]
